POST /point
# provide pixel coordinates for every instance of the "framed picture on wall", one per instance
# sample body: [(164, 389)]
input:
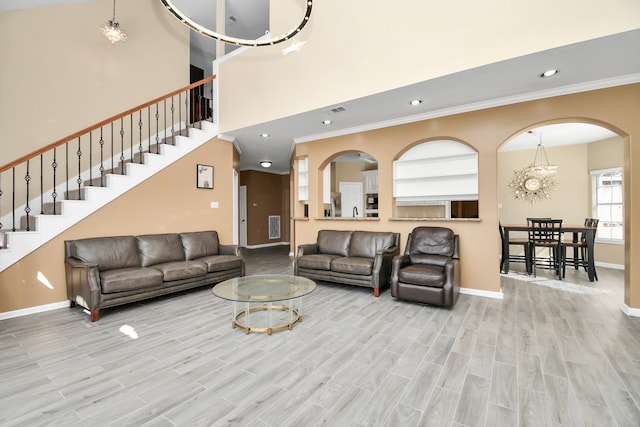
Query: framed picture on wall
[(204, 176)]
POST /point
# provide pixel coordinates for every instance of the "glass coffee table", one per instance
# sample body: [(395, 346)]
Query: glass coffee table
[(265, 289)]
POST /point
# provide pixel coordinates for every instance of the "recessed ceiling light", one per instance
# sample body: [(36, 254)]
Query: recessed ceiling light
[(549, 73), (416, 102), (264, 135), (326, 122), (265, 163)]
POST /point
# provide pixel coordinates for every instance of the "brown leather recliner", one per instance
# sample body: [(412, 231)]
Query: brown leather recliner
[(429, 270)]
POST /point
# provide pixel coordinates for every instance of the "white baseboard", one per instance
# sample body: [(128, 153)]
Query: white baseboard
[(608, 265), (630, 311), (34, 310), (481, 293), (268, 245)]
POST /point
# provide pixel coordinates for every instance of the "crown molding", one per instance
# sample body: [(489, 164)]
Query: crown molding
[(481, 105)]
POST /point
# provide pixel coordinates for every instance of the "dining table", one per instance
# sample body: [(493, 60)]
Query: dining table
[(575, 230)]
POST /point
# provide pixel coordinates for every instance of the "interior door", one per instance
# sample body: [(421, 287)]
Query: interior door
[(351, 199), (243, 216)]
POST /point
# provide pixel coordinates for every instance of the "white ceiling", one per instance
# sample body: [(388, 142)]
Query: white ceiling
[(598, 63), (594, 64)]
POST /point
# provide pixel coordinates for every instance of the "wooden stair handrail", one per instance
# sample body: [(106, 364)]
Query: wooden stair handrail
[(102, 123)]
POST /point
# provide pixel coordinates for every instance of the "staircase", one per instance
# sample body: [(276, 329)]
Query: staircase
[(94, 186)]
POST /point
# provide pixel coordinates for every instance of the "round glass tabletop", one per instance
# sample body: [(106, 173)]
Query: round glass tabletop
[(264, 288)]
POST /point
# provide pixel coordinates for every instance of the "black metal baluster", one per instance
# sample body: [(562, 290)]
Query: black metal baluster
[(79, 179), (157, 126), (113, 168), (66, 161), (13, 201), (27, 208), (186, 110), (91, 158), (122, 146), (54, 194), (173, 128), (101, 142), (41, 186), (140, 148), (131, 157), (180, 113), (149, 130), (211, 100)]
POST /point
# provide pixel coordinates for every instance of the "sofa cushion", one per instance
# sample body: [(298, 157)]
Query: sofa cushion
[(432, 240), (160, 248), (334, 242), (316, 261), (221, 262), (422, 274), (129, 279), (353, 265), (198, 244), (108, 252), (181, 270), (365, 244)]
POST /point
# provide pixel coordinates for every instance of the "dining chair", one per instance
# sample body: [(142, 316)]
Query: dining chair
[(546, 233), (522, 256), (579, 245)]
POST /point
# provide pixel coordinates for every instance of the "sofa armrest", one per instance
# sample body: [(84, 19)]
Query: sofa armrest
[(382, 264), (235, 250), (307, 249), (83, 283), (231, 250)]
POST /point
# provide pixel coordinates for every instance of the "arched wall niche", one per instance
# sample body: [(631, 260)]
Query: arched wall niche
[(339, 176), (410, 146), (436, 178)]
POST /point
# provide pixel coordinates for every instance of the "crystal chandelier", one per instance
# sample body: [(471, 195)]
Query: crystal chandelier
[(112, 31), (538, 168), (237, 41)]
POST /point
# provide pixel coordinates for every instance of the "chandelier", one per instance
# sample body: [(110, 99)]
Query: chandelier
[(535, 182), (112, 31), (538, 168), (233, 40)]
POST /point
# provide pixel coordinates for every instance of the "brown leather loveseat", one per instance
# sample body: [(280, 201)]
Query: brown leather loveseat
[(361, 258), (105, 272)]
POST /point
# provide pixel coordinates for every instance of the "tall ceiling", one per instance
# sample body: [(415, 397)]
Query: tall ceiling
[(594, 64), (598, 63)]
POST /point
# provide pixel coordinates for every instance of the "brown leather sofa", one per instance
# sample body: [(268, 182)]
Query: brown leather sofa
[(429, 270), (105, 272), (361, 258)]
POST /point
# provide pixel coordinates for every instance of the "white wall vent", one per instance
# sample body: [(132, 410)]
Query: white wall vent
[(274, 226)]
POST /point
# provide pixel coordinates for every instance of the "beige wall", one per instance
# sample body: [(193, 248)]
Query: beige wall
[(356, 48), (615, 108), (60, 75), (167, 202), (569, 198), (602, 155)]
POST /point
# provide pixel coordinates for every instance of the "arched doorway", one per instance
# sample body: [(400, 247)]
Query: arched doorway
[(585, 153)]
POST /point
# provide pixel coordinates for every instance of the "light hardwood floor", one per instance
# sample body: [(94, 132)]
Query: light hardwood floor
[(539, 357)]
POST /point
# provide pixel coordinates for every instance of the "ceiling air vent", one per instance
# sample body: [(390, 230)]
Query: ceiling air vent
[(338, 109), (230, 20)]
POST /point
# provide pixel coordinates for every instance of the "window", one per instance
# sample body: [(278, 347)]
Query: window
[(607, 203), (437, 179)]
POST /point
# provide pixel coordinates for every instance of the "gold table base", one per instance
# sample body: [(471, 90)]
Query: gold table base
[(248, 329)]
